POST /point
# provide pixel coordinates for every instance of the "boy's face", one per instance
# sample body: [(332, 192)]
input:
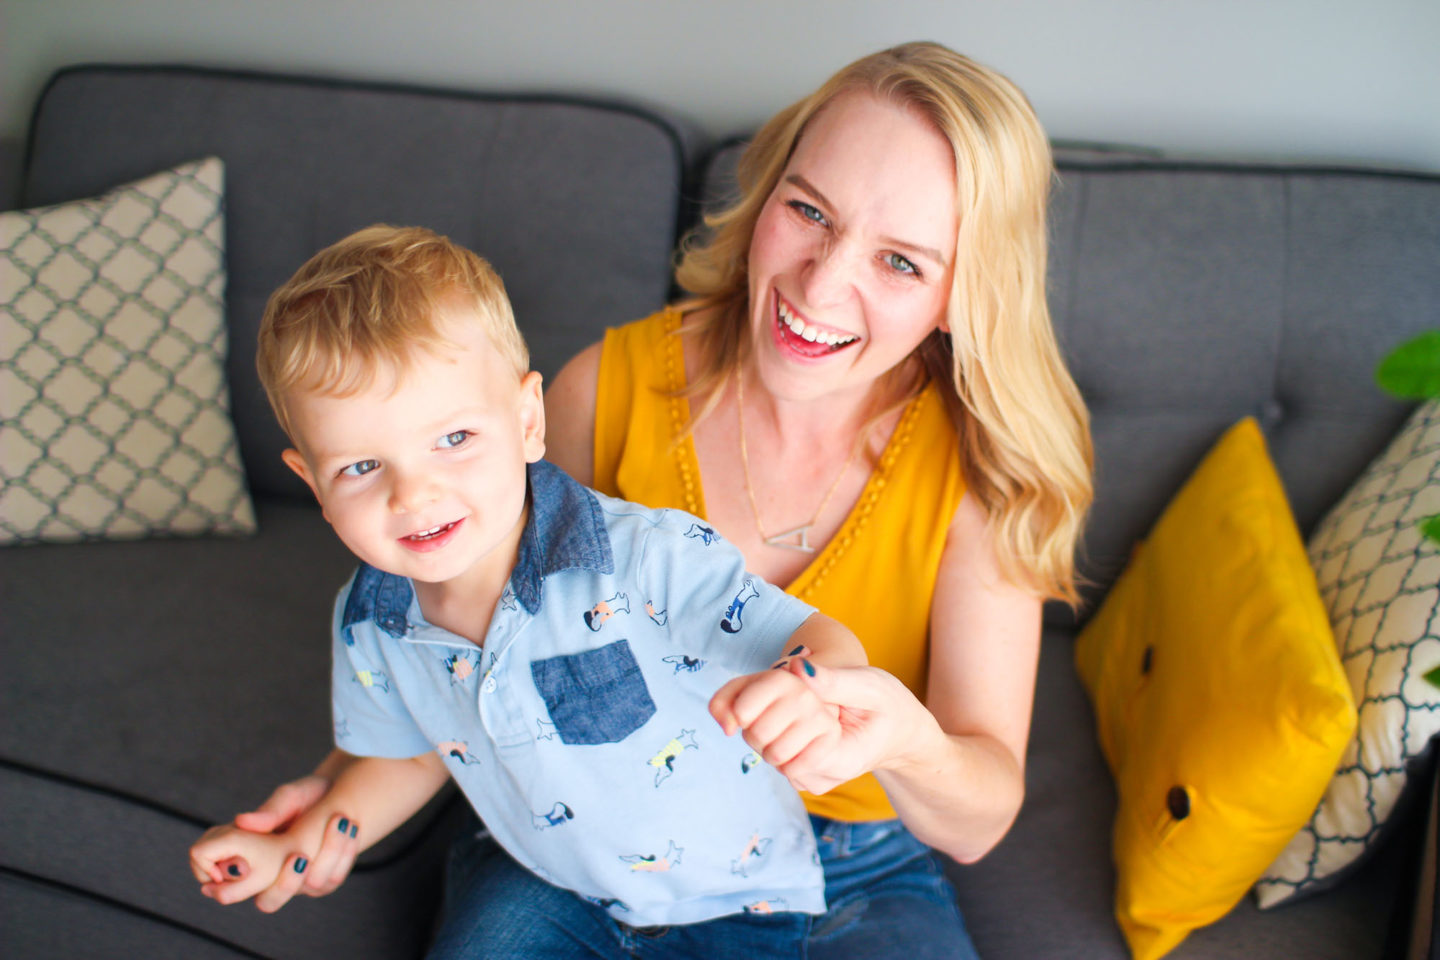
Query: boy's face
[(425, 477)]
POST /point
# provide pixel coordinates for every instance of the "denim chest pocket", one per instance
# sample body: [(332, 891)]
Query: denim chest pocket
[(597, 696)]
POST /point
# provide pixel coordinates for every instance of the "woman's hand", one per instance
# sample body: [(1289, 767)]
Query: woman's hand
[(331, 864), (822, 726)]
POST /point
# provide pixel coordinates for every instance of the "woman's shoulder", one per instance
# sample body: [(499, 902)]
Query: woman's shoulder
[(644, 354), (647, 330)]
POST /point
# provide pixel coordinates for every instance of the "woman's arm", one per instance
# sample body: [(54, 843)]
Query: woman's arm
[(570, 415), (955, 772), (958, 778), (383, 792), (331, 865)]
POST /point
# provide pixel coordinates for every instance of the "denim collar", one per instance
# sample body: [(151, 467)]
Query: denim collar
[(565, 531)]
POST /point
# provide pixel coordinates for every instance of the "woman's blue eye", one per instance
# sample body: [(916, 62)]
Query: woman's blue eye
[(360, 468), (454, 439), (900, 265), (807, 211)]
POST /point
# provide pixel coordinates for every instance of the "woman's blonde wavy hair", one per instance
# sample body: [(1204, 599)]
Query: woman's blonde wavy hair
[(1023, 427)]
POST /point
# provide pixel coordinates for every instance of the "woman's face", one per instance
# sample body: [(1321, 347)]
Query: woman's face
[(853, 254)]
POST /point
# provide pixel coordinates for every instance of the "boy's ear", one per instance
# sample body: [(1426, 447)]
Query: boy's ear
[(532, 416), (296, 462)]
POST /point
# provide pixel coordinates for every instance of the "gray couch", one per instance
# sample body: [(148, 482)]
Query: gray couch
[(154, 687)]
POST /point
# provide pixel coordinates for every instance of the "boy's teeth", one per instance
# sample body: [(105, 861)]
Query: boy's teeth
[(806, 332)]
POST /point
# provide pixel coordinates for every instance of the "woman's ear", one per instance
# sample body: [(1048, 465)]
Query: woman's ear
[(532, 416)]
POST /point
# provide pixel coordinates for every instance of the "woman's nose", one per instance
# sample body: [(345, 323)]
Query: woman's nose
[(827, 278)]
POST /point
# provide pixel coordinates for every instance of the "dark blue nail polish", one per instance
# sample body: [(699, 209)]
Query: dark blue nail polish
[(781, 665), (809, 667), (796, 650), (233, 870), (354, 830), (301, 864), (344, 825)]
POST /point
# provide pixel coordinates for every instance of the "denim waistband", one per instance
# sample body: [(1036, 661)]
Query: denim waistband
[(843, 837)]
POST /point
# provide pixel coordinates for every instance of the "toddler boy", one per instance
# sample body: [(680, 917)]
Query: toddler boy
[(551, 649)]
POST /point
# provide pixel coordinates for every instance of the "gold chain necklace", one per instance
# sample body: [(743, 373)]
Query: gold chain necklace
[(785, 538)]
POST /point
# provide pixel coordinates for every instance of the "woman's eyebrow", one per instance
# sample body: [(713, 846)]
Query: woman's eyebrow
[(924, 251)]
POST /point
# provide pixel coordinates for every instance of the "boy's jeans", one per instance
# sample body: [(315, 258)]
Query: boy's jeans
[(886, 894)]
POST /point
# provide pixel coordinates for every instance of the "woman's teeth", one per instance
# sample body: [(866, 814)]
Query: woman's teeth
[(813, 334)]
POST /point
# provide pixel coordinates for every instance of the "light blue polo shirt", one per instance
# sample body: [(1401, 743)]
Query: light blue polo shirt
[(581, 733)]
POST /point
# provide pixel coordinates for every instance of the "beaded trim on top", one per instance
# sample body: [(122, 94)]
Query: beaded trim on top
[(859, 515), (675, 374)]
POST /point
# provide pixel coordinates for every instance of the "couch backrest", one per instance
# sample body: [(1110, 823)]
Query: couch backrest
[(1187, 295), (576, 203)]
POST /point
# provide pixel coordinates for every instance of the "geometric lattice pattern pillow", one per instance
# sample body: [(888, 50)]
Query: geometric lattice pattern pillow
[(1380, 580), (114, 409)]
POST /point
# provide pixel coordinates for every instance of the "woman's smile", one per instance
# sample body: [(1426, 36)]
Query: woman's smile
[(803, 338)]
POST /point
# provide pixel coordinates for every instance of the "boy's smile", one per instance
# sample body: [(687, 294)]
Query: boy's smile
[(422, 472)]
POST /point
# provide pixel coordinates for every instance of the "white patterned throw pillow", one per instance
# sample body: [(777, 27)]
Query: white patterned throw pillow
[(114, 409), (1380, 579)]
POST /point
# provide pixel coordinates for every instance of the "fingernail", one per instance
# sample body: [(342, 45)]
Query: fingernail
[(809, 667), (344, 825), (354, 830), (781, 665), (796, 650), (301, 864), (233, 870)]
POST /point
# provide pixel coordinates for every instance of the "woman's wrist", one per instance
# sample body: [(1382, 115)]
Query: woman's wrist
[(917, 743)]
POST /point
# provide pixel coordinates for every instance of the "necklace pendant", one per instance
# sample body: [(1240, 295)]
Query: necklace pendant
[(783, 539)]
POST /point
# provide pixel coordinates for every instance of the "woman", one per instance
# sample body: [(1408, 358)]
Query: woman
[(865, 396)]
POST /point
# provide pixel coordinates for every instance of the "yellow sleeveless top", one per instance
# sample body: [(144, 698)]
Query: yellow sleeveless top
[(877, 574)]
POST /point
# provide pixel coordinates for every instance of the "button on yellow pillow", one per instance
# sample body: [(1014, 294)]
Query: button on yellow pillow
[(1220, 701)]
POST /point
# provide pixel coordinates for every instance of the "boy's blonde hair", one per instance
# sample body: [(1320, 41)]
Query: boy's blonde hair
[(366, 304), (1024, 430)]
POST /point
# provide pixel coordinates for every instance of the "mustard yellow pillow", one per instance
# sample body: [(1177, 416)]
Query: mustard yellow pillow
[(1219, 698)]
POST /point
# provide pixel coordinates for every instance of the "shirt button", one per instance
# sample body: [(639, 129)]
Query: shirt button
[(490, 684)]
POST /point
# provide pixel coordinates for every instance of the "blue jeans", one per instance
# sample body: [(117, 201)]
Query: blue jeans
[(886, 896), (885, 891)]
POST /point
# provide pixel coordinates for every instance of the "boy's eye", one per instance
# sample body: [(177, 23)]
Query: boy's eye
[(900, 265), (454, 439), (360, 468), (807, 211)]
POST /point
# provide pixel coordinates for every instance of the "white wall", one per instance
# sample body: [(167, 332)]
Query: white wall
[(1345, 80)]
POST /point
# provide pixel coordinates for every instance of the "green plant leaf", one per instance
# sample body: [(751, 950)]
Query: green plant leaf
[(1433, 677), (1430, 527), (1412, 370)]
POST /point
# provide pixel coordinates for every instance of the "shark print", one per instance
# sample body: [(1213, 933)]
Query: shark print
[(664, 761), (597, 615), (650, 863)]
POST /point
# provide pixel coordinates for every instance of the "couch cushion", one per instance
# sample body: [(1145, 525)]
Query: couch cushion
[(1187, 296), (1380, 579), (1219, 698), (119, 657), (575, 203), (1048, 889), (154, 687), (114, 411)]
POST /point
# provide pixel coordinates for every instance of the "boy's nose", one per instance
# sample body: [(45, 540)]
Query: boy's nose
[(409, 493)]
